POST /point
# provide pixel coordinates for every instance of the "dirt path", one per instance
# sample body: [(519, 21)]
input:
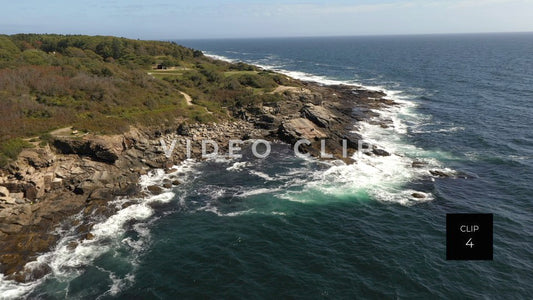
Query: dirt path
[(67, 131), (187, 98)]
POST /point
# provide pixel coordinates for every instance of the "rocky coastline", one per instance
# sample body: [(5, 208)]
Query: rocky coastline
[(80, 173)]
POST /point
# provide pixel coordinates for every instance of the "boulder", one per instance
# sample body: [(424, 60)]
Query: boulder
[(127, 190), (10, 228), (352, 139), (319, 115), (87, 187), (14, 187), (439, 173), (154, 189), (96, 149), (4, 192), (418, 195), (184, 130), (418, 164), (300, 128), (380, 152), (8, 200), (167, 183), (37, 158), (30, 192), (101, 194), (56, 183)]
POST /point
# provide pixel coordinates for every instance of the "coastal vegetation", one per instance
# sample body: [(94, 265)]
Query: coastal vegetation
[(105, 84)]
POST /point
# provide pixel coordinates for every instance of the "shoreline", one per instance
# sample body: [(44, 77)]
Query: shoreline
[(104, 168)]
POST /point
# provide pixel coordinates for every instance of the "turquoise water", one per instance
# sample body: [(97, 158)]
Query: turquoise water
[(284, 227)]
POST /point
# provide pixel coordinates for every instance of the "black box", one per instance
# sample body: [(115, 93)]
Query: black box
[(469, 237)]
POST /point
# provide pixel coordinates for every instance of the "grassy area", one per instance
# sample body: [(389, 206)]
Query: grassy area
[(106, 84), (238, 73)]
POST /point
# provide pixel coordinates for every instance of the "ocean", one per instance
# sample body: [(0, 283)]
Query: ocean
[(284, 227)]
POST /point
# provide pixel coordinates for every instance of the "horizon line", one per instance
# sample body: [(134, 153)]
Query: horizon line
[(350, 35), (285, 37)]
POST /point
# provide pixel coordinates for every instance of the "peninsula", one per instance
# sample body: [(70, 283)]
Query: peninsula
[(82, 117)]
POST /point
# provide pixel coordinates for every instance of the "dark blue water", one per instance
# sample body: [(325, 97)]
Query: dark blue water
[(288, 228)]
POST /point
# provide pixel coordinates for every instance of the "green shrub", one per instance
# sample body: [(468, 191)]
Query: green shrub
[(3, 160), (35, 57), (45, 138), (257, 81), (12, 148)]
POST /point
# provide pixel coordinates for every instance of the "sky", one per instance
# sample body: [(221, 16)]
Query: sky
[(201, 19)]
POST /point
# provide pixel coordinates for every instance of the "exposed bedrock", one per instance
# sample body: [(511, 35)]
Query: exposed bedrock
[(81, 174)]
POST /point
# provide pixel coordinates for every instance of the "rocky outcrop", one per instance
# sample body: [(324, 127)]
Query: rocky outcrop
[(95, 148), (300, 128), (45, 186), (319, 115)]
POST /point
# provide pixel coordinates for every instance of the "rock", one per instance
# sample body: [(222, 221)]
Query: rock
[(10, 261), (72, 245), (101, 194), (96, 149), (102, 176), (4, 192), (17, 195), (176, 182), (47, 181), (77, 171), (418, 164), (380, 152), (184, 130), (167, 183), (352, 139), (466, 175), (14, 187), (418, 195), (154, 164), (30, 192), (318, 114), (37, 158), (300, 128), (268, 118), (60, 174), (128, 190), (8, 200), (36, 271), (89, 236), (30, 170), (438, 173), (10, 228), (56, 183), (154, 189)]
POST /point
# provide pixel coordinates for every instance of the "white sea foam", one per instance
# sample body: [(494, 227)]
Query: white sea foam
[(67, 261), (262, 175), (219, 57), (382, 178), (215, 210), (258, 191), (10, 289), (449, 129), (237, 166)]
